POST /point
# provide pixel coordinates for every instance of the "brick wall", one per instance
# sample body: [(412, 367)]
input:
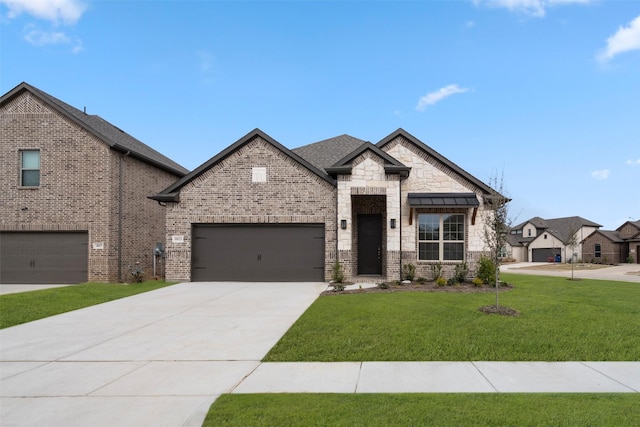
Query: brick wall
[(610, 251), (226, 194), (79, 187)]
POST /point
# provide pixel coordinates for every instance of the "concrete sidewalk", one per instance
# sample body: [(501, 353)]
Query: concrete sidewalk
[(443, 377)]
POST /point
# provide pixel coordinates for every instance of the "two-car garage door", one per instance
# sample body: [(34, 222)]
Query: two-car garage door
[(257, 252), (43, 257)]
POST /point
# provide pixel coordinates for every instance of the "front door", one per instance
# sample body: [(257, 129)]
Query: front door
[(369, 244)]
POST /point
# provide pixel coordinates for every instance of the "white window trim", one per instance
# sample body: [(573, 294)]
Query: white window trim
[(22, 169)]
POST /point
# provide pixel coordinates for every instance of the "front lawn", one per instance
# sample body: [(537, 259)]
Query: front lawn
[(24, 307), (617, 410), (561, 320)]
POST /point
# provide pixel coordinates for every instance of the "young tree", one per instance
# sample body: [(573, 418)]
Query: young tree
[(572, 242), (497, 225)]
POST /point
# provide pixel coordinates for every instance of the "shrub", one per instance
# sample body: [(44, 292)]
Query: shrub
[(460, 272), (383, 285), (436, 271), (477, 281), (337, 287), (409, 271), (337, 273), (452, 281), (486, 270), (421, 280), (137, 275), (441, 281)]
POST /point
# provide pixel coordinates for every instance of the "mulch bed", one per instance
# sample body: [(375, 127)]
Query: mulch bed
[(424, 287)]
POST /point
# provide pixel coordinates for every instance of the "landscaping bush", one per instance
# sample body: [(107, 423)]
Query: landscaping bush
[(441, 281), (408, 271), (436, 271), (486, 270), (460, 272)]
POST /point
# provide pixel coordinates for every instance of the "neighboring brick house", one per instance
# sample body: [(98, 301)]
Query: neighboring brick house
[(613, 246), (73, 205), (543, 240), (259, 211)]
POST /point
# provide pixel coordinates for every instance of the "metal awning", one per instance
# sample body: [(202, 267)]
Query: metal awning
[(437, 200)]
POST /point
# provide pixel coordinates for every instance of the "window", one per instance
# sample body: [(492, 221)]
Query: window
[(30, 168), (529, 232), (440, 237), (598, 250)]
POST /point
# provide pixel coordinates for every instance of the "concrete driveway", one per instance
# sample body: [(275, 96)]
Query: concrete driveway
[(159, 358)]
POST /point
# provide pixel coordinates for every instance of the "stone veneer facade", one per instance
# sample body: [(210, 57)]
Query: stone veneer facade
[(84, 186), (226, 194)]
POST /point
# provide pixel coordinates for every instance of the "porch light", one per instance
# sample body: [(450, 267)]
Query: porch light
[(393, 223), (343, 224)]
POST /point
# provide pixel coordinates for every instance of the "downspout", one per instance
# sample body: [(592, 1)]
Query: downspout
[(400, 224), (120, 207), (338, 224)]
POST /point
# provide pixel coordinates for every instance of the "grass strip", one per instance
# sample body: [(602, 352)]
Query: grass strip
[(561, 320), (24, 307), (424, 410)]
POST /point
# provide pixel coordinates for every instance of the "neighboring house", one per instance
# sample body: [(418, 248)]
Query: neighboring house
[(73, 204), (260, 211), (542, 240), (614, 247)]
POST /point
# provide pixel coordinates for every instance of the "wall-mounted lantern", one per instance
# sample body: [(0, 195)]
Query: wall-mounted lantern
[(343, 224), (393, 223)]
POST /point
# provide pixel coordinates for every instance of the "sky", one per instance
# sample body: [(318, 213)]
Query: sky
[(543, 95)]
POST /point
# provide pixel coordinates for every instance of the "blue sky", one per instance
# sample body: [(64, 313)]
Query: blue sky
[(546, 92)]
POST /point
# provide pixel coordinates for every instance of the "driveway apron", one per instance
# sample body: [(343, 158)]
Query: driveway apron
[(159, 358)]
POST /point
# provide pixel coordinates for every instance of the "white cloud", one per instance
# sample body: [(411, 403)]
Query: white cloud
[(535, 8), (439, 95), (633, 162), (600, 174), (624, 40), (56, 11), (44, 38)]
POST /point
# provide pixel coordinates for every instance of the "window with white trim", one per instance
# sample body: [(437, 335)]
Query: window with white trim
[(441, 237), (30, 168)]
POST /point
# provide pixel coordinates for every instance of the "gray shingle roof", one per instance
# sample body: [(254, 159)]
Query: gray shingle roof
[(559, 227), (328, 152), (113, 136)]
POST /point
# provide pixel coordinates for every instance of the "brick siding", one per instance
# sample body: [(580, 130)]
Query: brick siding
[(226, 194), (79, 188)]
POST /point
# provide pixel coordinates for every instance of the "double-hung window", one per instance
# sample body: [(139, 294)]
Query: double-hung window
[(30, 168), (598, 250), (441, 237)]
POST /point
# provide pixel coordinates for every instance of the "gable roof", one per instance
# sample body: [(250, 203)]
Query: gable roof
[(172, 193), (440, 158), (111, 135), (328, 152), (636, 224), (345, 165), (611, 235), (560, 228)]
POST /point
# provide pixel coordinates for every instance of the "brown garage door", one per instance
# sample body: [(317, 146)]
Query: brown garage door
[(264, 253), (43, 257)]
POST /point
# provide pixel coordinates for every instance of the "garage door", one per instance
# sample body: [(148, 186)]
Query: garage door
[(43, 257), (264, 253), (543, 254)]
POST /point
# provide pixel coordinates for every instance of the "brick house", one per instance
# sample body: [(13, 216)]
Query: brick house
[(260, 211), (74, 204), (543, 240), (614, 246)]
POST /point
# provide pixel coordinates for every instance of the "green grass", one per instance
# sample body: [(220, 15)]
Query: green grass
[(561, 320), (425, 410), (24, 307)]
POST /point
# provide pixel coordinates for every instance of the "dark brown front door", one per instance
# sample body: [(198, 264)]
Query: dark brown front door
[(369, 244)]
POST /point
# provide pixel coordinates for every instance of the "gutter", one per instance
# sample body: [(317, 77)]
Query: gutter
[(120, 206)]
